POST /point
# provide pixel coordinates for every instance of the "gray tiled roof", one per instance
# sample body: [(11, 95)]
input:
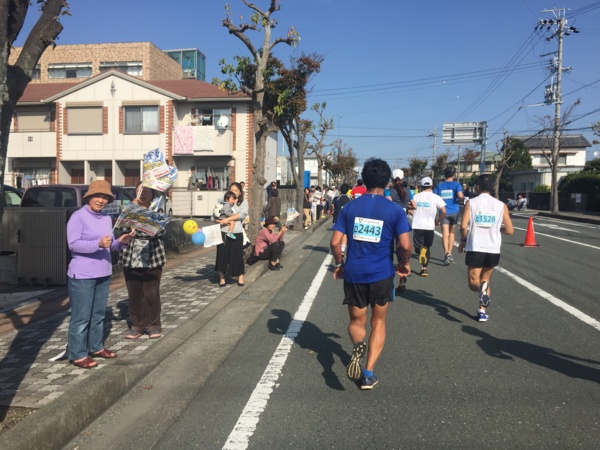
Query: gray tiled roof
[(566, 141)]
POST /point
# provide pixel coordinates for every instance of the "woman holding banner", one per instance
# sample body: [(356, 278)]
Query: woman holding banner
[(143, 261), (230, 254)]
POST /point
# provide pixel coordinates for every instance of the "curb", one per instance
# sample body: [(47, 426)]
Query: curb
[(56, 424), (582, 219)]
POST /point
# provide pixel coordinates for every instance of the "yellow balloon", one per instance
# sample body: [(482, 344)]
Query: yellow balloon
[(190, 226)]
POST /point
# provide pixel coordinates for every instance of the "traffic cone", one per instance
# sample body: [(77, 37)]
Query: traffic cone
[(530, 236)]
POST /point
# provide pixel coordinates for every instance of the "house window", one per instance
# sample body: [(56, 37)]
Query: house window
[(562, 159), (84, 120), (210, 177), (219, 117), (80, 70), (133, 68), (141, 119), (36, 73), (33, 119)]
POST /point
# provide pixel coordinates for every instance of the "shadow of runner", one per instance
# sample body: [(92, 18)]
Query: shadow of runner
[(312, 338), (535, 354), (443, 308)]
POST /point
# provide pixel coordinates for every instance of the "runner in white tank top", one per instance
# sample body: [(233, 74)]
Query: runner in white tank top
[(484, 219)]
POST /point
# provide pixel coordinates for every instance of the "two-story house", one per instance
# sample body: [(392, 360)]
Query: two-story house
[(100, 128), (571, 159)]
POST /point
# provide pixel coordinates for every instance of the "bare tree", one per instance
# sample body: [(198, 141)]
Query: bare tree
[(441, 162), (342, 165), (260, 20), (417, 166), (15, 78), (319, 133)]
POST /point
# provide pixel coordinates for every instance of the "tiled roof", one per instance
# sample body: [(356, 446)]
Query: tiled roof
[(566, 141), (192, 89), (35, 92)]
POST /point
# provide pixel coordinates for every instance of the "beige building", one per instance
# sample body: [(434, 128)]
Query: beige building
[(101, 128), (81, 61), (571, 159)]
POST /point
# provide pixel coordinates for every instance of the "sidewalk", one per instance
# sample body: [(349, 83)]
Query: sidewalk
[(34, 333)]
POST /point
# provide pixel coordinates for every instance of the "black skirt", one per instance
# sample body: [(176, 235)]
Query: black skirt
[(230, 255)]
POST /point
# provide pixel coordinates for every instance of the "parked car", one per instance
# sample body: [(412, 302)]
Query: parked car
[(11, 196), (70, 196)]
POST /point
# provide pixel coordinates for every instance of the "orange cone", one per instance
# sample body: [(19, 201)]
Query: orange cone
[(530, 236)]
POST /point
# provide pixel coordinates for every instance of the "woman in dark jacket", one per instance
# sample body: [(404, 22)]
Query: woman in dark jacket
[(273, 208), (143, 261)]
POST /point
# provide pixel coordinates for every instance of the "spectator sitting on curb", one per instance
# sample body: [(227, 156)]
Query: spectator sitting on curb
[(269, 245)]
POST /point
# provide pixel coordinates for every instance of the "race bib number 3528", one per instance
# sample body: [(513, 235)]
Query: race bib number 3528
[(367, 230)]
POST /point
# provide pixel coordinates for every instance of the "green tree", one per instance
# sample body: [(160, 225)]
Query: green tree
[(417, 166), (14, 78), (441, 162), (511, 157), (256, 74)]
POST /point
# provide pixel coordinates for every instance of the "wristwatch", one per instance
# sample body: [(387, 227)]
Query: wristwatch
[(339, 265)]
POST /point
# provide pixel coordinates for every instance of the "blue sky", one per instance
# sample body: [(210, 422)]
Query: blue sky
[(394, 71)]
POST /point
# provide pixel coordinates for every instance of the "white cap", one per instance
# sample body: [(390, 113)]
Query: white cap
[(426, 181), (397, 173)]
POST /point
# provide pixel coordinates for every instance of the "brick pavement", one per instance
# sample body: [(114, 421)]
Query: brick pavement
[(28, 376)]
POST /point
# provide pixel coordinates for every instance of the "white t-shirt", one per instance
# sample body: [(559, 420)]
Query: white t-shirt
[(484, 226), (428, 204)]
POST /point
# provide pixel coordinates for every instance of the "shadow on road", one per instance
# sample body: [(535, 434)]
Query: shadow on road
[(541, 356), (443, 308), (313, 338)]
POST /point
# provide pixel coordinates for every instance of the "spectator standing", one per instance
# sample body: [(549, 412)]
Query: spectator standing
[(270, 187), (424, 221), (230, 254), (273, 208), (371, 222), (451, 192), (306, 205), (90, 240), (484, 221), (143, 260)]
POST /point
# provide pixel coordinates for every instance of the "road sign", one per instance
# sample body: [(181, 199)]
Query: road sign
[(463, 133)]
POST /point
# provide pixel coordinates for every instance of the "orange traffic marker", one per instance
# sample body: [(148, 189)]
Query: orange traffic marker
[(530, 236)]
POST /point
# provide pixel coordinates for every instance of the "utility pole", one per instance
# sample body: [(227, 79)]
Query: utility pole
[(434, 135), (554, 93)]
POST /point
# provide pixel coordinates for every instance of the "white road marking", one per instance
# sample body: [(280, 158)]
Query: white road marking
[(552, 299), (248, 420), (555, 227), (561, 239), (562, 221), (545, 295)]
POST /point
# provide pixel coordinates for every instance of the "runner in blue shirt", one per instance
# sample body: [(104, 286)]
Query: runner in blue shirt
[(452, 193), (371, 222)]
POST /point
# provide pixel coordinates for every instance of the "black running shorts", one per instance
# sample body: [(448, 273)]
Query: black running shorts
[(481, 259), (363, 294)]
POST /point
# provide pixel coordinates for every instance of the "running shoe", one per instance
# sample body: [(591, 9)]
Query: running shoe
[(447, 260), (482, 316), (368, 383), (484, 298), (402, 285), (353, 370), (423, 256), (450, 258), (423, 272)]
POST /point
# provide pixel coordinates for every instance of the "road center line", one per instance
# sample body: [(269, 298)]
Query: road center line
[(248, 420)]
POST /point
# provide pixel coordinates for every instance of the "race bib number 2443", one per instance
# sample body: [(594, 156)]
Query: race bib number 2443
[(368, 230)]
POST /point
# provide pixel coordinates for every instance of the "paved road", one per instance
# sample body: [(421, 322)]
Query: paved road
[(530, 377)]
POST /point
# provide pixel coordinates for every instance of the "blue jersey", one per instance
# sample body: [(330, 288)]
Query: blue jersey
[(371, 222), (449, 190)]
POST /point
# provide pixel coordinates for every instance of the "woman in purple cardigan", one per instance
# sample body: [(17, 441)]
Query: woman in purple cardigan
[(90, 239)]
